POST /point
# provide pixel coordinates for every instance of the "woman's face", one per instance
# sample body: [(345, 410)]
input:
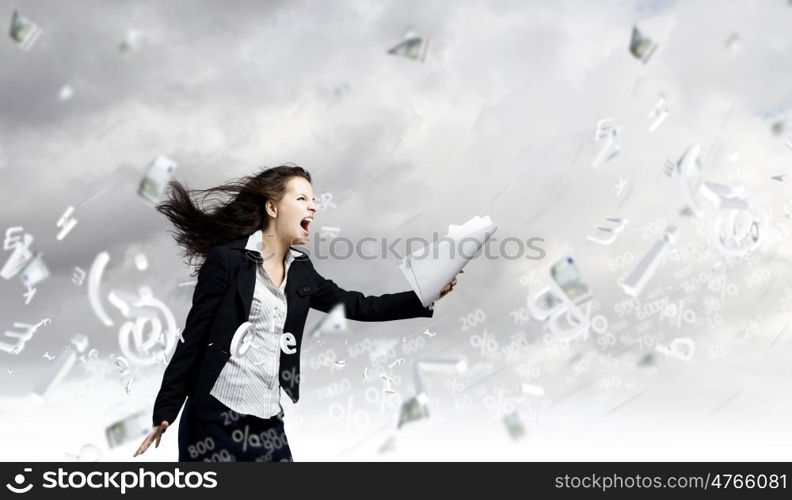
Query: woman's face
[(294, 212)]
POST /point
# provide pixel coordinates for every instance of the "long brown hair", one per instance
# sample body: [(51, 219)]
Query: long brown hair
[(225, 212)]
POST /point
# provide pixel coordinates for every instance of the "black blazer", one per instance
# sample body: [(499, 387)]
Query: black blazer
[(221, 303)]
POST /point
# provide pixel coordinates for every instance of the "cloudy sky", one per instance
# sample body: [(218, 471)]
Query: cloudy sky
[(498, 120)]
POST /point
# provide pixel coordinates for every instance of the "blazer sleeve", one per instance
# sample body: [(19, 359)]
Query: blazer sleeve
[(360, 307), (182, 369)]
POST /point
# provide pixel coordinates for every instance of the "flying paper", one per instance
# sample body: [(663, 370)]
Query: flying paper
[(429, 269)]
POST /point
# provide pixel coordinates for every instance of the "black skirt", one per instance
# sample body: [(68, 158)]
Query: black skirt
[(215, 433)]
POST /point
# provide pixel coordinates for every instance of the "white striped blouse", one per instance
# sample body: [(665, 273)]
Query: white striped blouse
[(249, 384)]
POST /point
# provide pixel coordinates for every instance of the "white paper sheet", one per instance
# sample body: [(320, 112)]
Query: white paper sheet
[(431, 268)]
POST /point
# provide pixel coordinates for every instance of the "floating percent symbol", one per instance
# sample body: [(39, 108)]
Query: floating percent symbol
[(464, 403), (681, 348), (246, 438), (606, 339), (378, 398), (340, 413), (724, 286), (434, 365), (678, 313), (577, 320), (740, 232), (528, 370), (291, 375), (325, 201), (497, 402), (485, 342), (454, 384)]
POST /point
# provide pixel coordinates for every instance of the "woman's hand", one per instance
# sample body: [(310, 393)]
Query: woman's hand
[(449, 286), (156, 433)]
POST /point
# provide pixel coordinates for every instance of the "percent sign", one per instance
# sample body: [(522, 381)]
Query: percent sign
[(465, 403), (454, 384), (324, 201), (337, 412), (497, 403), (485, 342), (244, 437), (529, 371), (290, 375), (679, 312), (724, 286), (379, 399)]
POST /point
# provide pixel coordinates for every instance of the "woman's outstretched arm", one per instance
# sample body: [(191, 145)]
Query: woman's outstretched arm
[(360, 307), (181, 371)]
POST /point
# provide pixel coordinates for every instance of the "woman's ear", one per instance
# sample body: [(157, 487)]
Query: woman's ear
[(270, 208)]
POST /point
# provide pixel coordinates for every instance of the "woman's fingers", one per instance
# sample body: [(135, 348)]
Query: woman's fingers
[(160, 430), (450, 286), (155, 434), (143, 447)]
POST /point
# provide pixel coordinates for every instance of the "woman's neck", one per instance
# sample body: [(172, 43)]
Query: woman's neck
[(273, 249)]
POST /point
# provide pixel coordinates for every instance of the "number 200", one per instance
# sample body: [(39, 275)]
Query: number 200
[(472, 319)]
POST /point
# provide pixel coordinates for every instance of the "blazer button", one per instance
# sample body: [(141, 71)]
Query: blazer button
[(306, 288)]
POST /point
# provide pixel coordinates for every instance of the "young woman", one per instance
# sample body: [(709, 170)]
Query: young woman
[(242, 338)]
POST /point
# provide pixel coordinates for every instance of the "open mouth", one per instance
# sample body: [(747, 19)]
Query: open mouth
[(305, 223)]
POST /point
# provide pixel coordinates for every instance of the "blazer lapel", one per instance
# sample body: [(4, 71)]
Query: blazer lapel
[(292, 280), (246, 283), (246, 279), (246, 276)]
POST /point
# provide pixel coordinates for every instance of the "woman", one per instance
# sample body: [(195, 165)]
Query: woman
[(241, 341)]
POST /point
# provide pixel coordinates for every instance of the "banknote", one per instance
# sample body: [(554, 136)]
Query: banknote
[(413, 410), (132, 427), (412, 48), (158, 174), (641, 46), (24, 31)]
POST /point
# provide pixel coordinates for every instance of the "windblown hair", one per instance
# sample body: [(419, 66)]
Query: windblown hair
[(225, 212)]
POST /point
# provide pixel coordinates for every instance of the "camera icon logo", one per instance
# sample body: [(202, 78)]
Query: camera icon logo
[(19, 479)]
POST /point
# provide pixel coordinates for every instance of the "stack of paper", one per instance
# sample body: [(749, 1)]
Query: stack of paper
[(430, 269)]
